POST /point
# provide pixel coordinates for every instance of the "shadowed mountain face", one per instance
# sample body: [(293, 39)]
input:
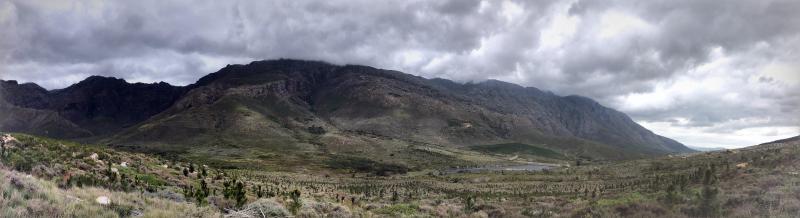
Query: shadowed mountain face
[(97, 105), (290, 101)]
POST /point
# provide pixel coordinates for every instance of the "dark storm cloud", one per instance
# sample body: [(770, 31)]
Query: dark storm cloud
[(706, 66)]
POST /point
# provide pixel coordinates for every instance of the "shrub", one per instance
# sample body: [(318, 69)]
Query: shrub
[(296, 203), (324, 209), (260, 208), (469, 203), (399, 210)]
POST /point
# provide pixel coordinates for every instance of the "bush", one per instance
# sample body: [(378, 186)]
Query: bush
[(260, 208), (296, 201), (324, 209), (316, 130)]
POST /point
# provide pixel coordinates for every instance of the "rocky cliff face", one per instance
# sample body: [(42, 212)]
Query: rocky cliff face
[(286, 99)]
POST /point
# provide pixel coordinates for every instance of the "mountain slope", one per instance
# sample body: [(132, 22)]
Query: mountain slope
[(41, 122), (282, 100), (281, 111), (99, 105)]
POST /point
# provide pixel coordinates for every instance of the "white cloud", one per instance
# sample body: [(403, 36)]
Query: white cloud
[(701, 137), (616, 25)]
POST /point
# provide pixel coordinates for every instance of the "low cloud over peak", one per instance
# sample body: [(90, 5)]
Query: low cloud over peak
[(704, 72)]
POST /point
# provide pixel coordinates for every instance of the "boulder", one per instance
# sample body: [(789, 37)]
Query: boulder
[(103, 200), (742, 165)]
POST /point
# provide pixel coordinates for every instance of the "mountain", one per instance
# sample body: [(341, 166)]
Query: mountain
[(41, 122), (96, 105), (272, 110)]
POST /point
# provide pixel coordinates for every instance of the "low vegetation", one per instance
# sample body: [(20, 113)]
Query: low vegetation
[(519, 149), (25, 196), (68, 178)]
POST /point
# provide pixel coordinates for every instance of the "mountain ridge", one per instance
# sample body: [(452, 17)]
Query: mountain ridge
[(282, 100), (101, 105)]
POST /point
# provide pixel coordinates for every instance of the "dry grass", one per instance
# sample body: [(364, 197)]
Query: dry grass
[(26, 196)]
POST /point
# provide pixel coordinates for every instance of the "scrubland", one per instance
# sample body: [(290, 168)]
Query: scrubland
[(51, 178)]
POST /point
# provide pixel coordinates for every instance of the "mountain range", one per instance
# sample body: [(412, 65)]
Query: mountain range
[(275, 109)]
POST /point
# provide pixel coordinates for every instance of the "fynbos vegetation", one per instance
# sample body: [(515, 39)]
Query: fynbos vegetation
[(758, 181)]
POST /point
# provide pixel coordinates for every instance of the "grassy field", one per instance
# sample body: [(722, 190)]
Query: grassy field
[(762, 181)]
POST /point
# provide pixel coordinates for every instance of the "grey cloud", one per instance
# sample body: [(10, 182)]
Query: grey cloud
[(465, 40), (687, 31), (459, 6)]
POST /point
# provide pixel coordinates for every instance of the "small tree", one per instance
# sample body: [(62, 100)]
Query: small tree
[(469, 203), (297, 203), (202, 193), (259, 192), (395, 196), (240, 194), (709, 205)]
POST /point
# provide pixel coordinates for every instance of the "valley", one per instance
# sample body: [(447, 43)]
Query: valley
[(756, 181), (295, 138)]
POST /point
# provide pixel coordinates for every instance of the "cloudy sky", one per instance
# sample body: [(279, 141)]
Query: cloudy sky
[(707, 73)]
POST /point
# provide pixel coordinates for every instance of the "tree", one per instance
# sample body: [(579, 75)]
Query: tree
[(240, 194), (709, 205), (297, 203), (469, 203), (202, 192), (259, 192), (395, 196)]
